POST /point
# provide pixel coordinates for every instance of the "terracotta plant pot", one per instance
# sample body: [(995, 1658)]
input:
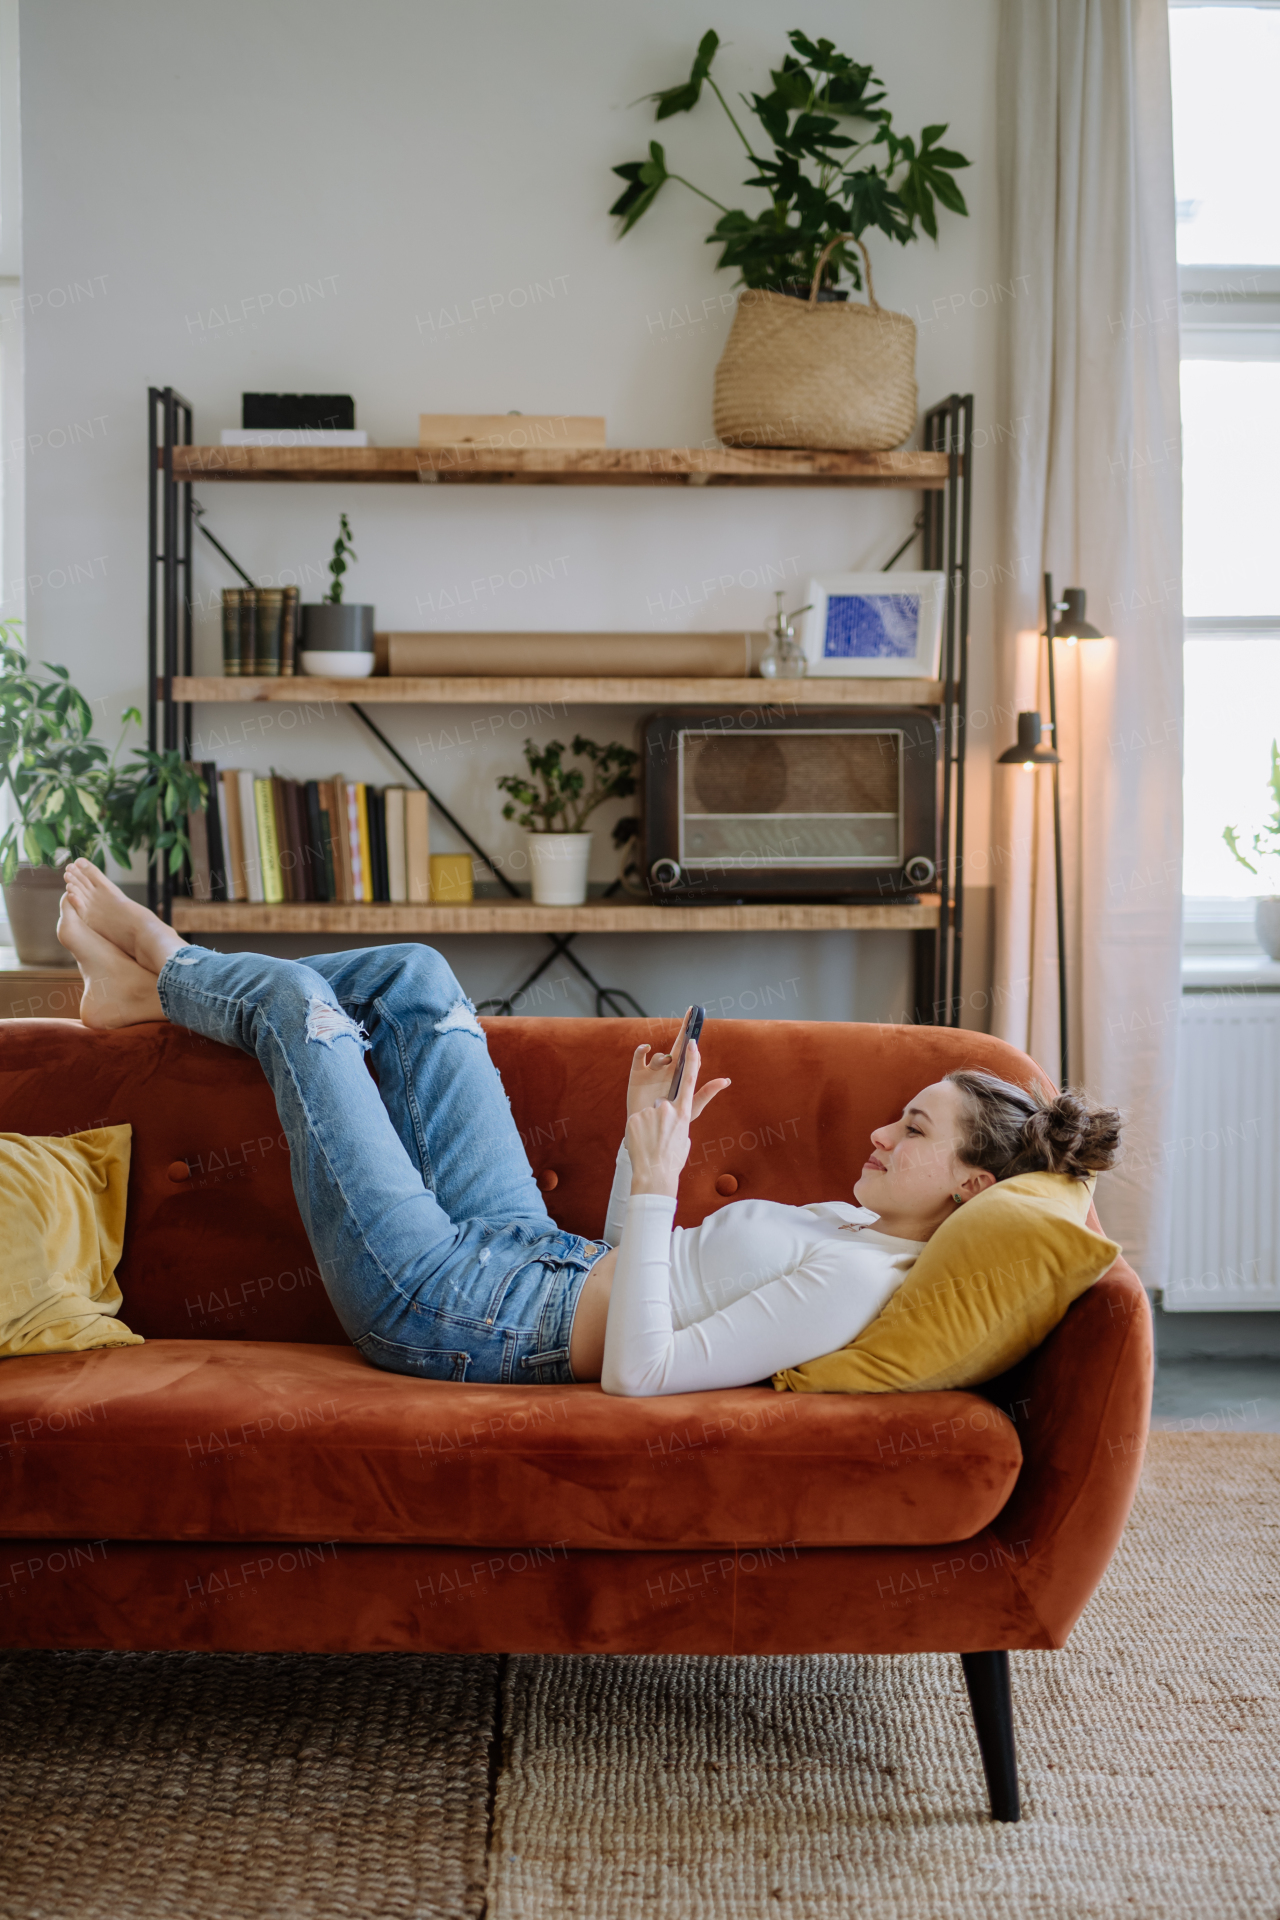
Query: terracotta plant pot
[(1266, 923), (31, 902)]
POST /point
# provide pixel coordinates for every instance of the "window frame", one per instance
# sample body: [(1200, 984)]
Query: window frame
[(1228, 310)]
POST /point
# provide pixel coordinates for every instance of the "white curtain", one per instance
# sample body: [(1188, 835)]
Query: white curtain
[(1093, 494)]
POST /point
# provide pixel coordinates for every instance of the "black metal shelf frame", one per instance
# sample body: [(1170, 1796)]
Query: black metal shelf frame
[(943, 523), (948, 428)]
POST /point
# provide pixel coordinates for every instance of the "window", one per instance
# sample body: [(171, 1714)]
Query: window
[(1226, 76)]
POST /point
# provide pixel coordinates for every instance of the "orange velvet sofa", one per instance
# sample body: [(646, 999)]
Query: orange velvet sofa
[(244, 1481)]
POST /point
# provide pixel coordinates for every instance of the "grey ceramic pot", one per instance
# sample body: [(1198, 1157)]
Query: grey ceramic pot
[(31, 901), (337, 629)]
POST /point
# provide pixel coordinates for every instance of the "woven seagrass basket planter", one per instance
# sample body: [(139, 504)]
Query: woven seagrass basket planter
[(799, 374)]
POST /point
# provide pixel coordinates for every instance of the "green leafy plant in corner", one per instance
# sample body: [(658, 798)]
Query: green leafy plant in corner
[(73, 798), (837, 168), (342, 552), (555, 798), (1265, 844)]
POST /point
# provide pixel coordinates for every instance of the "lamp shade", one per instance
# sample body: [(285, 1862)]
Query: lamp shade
[(1027, 750), (1072, 625)]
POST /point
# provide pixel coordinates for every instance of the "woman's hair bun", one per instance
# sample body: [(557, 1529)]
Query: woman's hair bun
[(1007, 1130), (1066, 1135)]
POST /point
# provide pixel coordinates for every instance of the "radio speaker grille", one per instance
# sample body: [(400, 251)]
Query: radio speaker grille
[(791, 773)]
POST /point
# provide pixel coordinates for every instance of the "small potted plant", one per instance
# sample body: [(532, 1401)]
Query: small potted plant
[(72, 798), (552, 801), (1265, 847), (337, 638)]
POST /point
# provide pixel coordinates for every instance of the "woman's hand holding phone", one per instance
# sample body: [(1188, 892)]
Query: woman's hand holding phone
[(651, 1073), (658, 1136), (658, 1133)]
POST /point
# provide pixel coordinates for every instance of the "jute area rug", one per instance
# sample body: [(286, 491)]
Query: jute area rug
[(243, 1786), (246, 1787), (737, 1789)]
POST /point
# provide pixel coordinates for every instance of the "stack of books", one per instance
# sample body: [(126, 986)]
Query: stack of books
[(274, 840), (259, 631)]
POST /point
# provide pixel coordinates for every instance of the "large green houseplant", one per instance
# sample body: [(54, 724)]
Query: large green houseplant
[(71, 798), (837, 169), (832, 168)]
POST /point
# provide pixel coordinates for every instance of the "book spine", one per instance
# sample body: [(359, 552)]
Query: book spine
[(362, 828), (252, 843), (302, 839), (248, 631), (270, 605), (397, 885), (417, 848), (327, 846), (268, 844), (237, 888), (284, 850), (336, 790), (215, 831), (289, 632), (353, 841), (314, 848), (231, 632), (378, 843), (342, 841), (290, 851)]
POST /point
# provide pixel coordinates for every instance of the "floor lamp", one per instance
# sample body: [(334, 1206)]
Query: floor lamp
[(1028, 752)]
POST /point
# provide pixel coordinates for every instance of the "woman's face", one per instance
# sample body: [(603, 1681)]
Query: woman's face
[(913, 1169)]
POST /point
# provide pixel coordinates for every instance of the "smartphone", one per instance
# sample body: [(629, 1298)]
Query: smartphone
[(692, 1030)]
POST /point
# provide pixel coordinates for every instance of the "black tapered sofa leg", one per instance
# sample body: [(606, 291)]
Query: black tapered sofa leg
[(991, 1698)]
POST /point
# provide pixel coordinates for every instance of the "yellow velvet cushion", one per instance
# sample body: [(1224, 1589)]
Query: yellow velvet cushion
[(62, 1204), (994, 1280)]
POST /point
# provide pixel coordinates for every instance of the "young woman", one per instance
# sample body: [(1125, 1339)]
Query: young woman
[(430, 1235)]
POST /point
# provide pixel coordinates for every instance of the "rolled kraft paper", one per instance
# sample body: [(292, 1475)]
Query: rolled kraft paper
[(627, 656)]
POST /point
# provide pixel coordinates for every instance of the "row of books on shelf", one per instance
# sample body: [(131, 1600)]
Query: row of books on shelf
[(259, 631), (275, 840)]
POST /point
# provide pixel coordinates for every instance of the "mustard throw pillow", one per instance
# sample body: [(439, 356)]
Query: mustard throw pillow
[(62, 1207), (994, 1280)]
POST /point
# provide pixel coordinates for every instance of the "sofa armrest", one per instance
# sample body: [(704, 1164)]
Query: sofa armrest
[(1082, 1407)]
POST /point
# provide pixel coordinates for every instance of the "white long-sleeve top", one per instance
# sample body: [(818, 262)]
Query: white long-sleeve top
[(757, 1287)]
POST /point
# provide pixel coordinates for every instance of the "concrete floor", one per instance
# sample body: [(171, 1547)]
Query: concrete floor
[(1217, 1372), (1217, 1396)]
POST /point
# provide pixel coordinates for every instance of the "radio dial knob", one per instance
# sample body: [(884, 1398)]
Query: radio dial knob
[(665, 873), (919, 872)]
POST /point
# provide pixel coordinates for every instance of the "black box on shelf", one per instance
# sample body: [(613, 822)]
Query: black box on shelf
[(321, 412)]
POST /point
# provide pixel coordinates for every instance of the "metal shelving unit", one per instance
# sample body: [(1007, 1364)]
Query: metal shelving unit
[(940, 469)]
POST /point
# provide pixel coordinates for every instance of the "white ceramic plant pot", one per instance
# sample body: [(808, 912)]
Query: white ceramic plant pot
[(1266, 922), (337, 666), (559, 863)]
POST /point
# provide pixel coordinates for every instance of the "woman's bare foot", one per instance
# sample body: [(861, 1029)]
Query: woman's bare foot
[(117, 991), (111, 914)]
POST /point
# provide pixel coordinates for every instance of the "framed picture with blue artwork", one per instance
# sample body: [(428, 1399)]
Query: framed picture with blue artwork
[(876, 626)]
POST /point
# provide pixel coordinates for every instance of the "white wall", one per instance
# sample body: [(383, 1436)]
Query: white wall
[(335, 184)]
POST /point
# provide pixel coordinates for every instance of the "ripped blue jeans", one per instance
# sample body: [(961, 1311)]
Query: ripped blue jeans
[(415, 1191)]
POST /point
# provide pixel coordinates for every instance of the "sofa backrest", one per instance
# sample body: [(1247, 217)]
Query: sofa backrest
[(215, 1248)]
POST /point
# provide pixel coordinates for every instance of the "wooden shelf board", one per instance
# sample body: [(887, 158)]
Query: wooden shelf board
[(552, 467), (521, 916), (37, 992), (530, 690)]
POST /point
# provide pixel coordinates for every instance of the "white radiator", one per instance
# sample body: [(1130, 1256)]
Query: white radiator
[(1226, 1155)]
